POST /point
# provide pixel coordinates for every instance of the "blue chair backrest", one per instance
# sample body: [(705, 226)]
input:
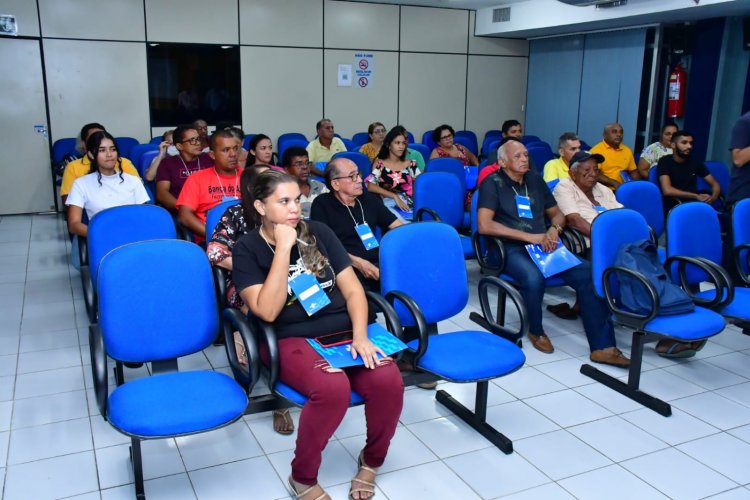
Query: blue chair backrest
[(118, 226), (360, 138), (540, 155), (474, 209), (133, 276), (609, 231), (246, 141), (125, 145), (741, 228), (526, 139), (421, 149), (63, 147), (410, 137), (145, 162), (551, 184), (585, 146), (156, 140), (491, 135), (645, 198), (720, 172), (472, 137), (450, 165), (427, 140), (214, 215), (348, 144), (291, 135), (465, 142), (360, 159), (138, 151), (693, 230), (284, 145), (538, 144), (493, 145), (653, 177), (441, 192), (435, 278)]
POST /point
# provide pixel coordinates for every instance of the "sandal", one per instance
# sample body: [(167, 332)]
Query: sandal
[(239, 346), (668, 348), (283, 417), (306, 492), (369, 486)]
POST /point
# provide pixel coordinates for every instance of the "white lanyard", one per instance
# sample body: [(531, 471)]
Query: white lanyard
[(187, 170), (352, 215), (236, 187)]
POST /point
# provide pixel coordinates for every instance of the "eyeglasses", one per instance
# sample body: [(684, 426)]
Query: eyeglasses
[(446, 137), (300, 164), (354, 176), (193, 140), (379, 131)]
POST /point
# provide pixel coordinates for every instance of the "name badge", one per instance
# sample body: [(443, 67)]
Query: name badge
[(600, 209), (365, 234), (228, 198), (523, 204), (307, 290)]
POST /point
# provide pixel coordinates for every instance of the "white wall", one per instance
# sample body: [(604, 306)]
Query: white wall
[(429, 68)]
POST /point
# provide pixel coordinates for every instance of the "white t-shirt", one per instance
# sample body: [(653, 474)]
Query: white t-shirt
[(113, 192)]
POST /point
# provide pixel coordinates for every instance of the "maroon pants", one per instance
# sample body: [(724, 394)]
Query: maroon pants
[(329, 393)]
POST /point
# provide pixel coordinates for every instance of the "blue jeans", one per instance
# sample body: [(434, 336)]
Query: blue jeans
[(594, 311)]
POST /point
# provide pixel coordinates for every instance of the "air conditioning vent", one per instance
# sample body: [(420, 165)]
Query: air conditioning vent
[(501, 15), (598, 3)]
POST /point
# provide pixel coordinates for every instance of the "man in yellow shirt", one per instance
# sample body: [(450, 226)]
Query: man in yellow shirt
[(82, 166), (325, 146), (617, 157), (568, 145)]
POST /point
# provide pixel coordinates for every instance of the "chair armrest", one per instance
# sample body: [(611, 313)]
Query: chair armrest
[(721, 280), (99, 368), (738, 252), (83, 251), (653, 236), (485, 266), (266, 334), (574, 240), (503, 331), (416, 313), (424, 210), (235, 321), (393, 324), (639, 319), (183, 233), (220, 286)]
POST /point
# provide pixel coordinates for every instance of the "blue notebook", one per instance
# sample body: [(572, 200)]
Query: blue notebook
[(340, 356), (551, 263)]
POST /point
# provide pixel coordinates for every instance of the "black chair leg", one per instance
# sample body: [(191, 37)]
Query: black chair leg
[(631, 388), (136, 459), (119, 375), (477, 419)]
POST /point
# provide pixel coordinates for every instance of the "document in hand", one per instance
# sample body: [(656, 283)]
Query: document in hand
[(551, 263), (340, 356)]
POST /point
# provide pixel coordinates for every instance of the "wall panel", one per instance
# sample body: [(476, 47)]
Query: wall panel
[(92, 19), (364, 26), (434, 30), (27, 17), (288, 23), (192, 21)]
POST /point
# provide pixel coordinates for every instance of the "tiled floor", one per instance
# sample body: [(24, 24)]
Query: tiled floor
[(573, 438)]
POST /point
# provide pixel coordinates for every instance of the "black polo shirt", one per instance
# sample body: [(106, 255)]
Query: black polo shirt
[(326, 208), (498, 193), (682, 176)]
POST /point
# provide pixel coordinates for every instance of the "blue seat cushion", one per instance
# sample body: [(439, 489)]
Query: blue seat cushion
[(699, 324), (176, 403), (467, 246), (300, 399), (739, 307), (470, 355)]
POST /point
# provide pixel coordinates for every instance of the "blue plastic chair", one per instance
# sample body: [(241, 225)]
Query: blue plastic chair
[(360, 159), (540, 155), (286, 144), (360, 139), (246, 141), (683, 240), (125, 146), (433, 288), (145, 162), (156, 140), (526, 139), (653, 177), (348, 144), (645, 198), (214, 215), (609, 231), (114, 227), (465, 142), (585, 146), (489, 137), (720, 172), (62, 147), (421, 149), (290, 136), (439, 196), (169, 403), (450, 165), (427, 140), (741, 239), (139, 150), (473, 144)]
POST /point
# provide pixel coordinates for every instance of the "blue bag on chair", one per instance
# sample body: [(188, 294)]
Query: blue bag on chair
[(642, 256)]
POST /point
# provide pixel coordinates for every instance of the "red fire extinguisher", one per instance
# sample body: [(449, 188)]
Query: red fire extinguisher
[(676, 92)]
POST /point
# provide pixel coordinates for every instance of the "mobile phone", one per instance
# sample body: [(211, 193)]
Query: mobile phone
[(334, 339)]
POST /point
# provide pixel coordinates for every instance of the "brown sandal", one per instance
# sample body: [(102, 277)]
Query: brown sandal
[(299, 494), (369, 485), (239, 346), (283, 416)]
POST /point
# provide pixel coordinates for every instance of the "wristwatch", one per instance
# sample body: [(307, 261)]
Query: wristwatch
[(558, 227)]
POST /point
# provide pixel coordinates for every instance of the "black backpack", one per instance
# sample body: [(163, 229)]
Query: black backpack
[(642, 256)]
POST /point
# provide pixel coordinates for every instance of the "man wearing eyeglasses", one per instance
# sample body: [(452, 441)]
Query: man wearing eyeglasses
[(297, 163), (354, 215), (175, 170)]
